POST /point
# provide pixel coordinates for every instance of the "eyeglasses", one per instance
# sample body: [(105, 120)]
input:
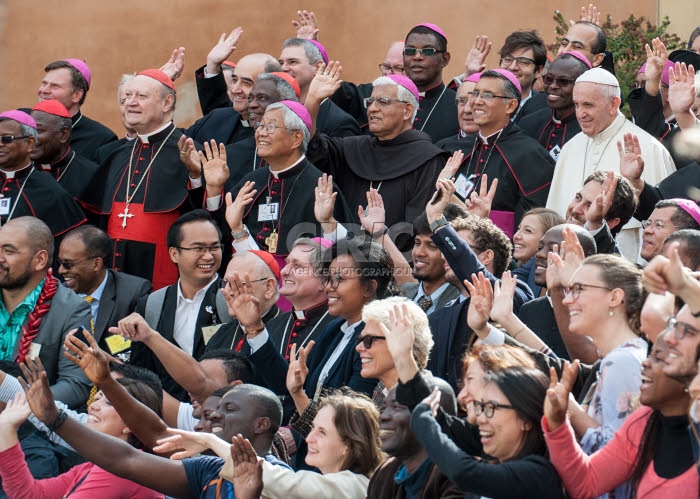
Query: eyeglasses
[(575, 290), (386, 69), (462, 101), (270, 127), (658, 224), (488, 408), (520, 61), (70, 265), (223, 283), (382, 101), (680, 329), (200, 250), (562, 82), (9, 139), (427, 52), (334, 280), (475, 94), (367, 340)]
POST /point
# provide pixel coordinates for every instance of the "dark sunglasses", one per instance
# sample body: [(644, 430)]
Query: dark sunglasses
[(368, 339), (9, 139)]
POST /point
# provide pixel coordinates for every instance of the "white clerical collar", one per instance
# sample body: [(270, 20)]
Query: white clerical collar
[(144, 138), (485, 140), (12, 174), (612, 129), (276, 174), (245, 123)]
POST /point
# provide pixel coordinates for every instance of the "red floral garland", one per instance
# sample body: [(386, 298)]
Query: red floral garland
[(31, 326)]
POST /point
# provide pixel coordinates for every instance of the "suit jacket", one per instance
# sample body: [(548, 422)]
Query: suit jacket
[(410, 290), (68, 311), (451, 335), (211, 91), (120, 297), (142, 356), (538, 315), (535, 103)]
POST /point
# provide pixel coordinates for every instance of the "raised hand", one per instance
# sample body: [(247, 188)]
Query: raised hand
[(242, 302), (88, 356), (503, 292), (306, 26), (480, 304), (182, 444), (573, 257), (476, 57), (133, 327), (236, 208), (552, 273), (36, 388), (15, 413), (298, 371), (656, 62), (433, 400), (556, 402), (175, 65), (326, 81), (435, 207), (600, 206), (222, 50), (247, 476), (324, 199), (480, 204), (214, 167), (591, 15), (399, 340), (452, 165), (681, 90), (373, 217), (631, 161), (190, 157), (663, 274)]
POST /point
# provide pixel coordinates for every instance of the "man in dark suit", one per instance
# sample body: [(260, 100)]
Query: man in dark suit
[(112, 295), (185, 313), (36, 313)]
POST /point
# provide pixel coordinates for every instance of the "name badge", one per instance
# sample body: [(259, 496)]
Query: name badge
[(209, 331), (34, 350), (555, 152), (464, 185), (5, 204), (268, 212), (117, 344)]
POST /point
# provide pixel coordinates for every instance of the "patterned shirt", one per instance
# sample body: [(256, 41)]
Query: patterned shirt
[(11, 323)]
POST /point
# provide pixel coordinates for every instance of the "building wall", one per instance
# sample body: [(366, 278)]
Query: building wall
[(129, 35), (684, 16)]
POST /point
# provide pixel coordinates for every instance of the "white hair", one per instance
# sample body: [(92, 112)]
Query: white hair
[(292, 122), (402, 93)]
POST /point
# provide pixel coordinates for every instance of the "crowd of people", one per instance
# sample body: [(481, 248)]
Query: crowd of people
[(419, 287)]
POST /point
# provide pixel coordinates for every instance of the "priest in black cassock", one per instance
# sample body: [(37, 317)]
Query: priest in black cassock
[(399, 162), (130, 135), (425, 55), (141, 188), (282, 208), (68, 82), (52, 151), (502, 150), (553, 126), (25, 189)]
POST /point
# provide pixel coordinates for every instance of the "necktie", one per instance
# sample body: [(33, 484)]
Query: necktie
[(90, 299), (424, 302)]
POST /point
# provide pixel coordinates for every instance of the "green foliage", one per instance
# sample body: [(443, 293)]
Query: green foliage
[(626, 41)]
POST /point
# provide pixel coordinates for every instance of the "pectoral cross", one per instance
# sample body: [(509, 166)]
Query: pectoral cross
[(271, 242), (125, 215)]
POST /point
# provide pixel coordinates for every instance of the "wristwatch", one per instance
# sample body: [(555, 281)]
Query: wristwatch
[(240, 235), (440, 222)]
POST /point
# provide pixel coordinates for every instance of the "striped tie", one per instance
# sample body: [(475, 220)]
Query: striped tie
[(94, 389)]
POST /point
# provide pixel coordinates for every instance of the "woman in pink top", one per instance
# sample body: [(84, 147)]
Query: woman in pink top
[(85, 481), (651, 449)]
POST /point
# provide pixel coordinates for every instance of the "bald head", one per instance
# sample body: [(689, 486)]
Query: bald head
[(555, 236), (244, 76), (263, 282), (394, 56), (39, 236)]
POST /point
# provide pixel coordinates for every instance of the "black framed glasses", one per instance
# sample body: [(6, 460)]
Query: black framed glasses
[(382, 101), (488, 408), (575, 290), (475, 94), (269, 127), (562, 82), (386, 69), (520, 61), (334, 280), (223, 282), (200, 250), (9, 139), (426, 52), (680, 329), (367, 340), (70, 265)]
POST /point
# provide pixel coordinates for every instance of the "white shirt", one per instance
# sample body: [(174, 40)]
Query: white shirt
[(583, 155), (186, 315), (434, 297), (348, 330)]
